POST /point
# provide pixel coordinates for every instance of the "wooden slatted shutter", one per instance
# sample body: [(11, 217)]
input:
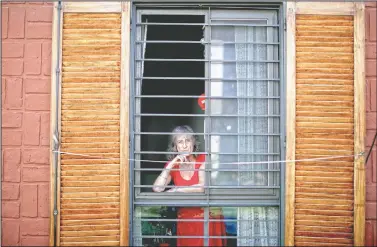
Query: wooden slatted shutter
[(89, 115), (325, 117)]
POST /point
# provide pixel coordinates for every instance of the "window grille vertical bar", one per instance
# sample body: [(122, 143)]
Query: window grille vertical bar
[(282, 65), (207, 38), (269, 106), (131, 162), (137, 92)]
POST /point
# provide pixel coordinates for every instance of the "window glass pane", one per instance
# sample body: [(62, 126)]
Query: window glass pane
[(256, 84), (198, 226), (254, 175)]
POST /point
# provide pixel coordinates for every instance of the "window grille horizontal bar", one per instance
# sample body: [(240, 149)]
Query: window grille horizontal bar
[(199, 4), (207, 153), (231, 19), (203, 42), (209, 169), (228, 198), (225, 163), (244, 194), (196, 220), (206, 97), (209, 134), (206, 24), (213, 237), (206, 115), (209, 187), (204, 60), (205, 78), (201, 203)]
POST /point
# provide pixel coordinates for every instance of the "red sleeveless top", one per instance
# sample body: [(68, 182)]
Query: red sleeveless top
[(177, 178), (195, 228)]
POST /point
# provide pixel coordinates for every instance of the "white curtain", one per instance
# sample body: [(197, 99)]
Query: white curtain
[(252, 145), (257, 146), (257, 226)]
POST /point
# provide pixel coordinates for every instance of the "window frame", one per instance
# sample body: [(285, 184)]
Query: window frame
[(197, 198)]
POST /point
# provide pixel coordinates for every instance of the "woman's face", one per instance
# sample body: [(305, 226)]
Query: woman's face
[(184, 143)]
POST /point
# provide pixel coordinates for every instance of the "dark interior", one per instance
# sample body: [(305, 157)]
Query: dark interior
[(159, 143), (165, 105)]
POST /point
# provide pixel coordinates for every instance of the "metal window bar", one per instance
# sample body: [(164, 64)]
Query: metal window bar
[(282, 90), (220, 4), (201, 203), (137, 97), (213, 186), (207, 121), (196, 220), (206, 97), (132, 121), (206, 169), (205, 24), (204, 115), (203, 42), (204, 237), (164, 162), (208, 133), (223, 153), (204, 78), (203, 60)]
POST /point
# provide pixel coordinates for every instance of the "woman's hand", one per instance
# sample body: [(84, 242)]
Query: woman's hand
[(181, 157), (164, 178), (178, 159)]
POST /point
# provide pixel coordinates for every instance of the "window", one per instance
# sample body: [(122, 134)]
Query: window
[(232, 57)]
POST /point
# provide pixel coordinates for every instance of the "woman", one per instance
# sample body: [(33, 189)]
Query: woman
[(191, 177)]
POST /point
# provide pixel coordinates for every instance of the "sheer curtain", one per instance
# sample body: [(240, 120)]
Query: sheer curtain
[(257, 226)]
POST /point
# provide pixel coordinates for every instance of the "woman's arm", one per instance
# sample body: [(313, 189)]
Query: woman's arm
[(164, 178), (199, 187)]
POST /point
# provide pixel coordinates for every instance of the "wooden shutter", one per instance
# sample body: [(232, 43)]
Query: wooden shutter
[(89, 117), (325, 117)]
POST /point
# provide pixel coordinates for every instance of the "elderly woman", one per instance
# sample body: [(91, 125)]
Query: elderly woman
[(183, 142), (190, 179)]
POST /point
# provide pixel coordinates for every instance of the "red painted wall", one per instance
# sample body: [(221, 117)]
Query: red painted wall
[(26, 63), (371, 118)]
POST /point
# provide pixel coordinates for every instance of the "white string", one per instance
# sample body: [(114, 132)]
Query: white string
[(227, 163)]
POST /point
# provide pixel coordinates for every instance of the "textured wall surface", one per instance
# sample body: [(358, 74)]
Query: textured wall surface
[(26, 63), (371, 118)]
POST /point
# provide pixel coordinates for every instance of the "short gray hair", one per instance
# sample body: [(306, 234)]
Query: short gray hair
[(183, 129)]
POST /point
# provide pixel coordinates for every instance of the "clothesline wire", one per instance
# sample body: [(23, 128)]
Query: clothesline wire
[(224, 163), (371, 147)]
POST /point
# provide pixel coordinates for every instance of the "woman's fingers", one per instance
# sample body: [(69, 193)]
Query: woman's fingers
[(182, 158)]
